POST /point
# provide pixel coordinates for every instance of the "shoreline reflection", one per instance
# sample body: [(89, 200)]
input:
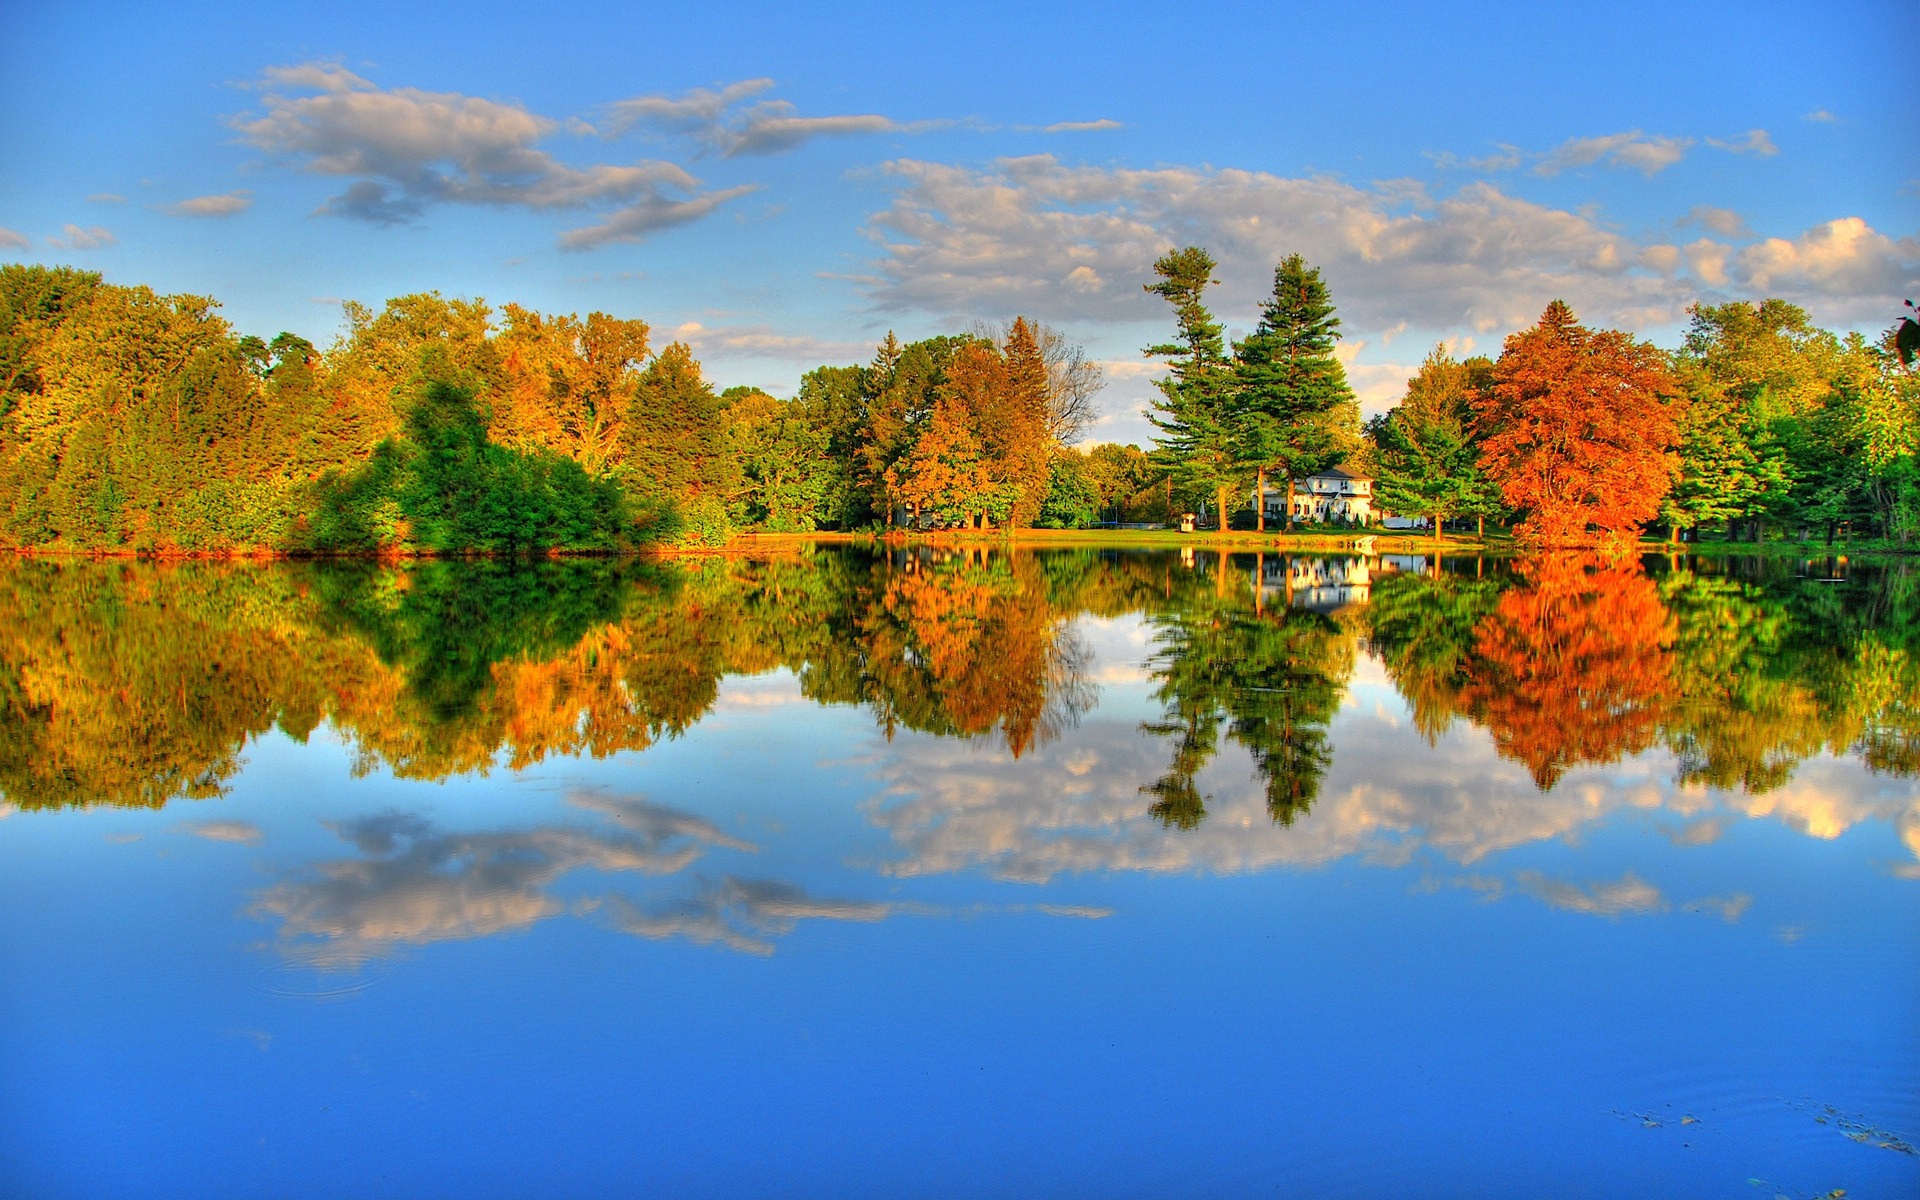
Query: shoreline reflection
[(137, 684)]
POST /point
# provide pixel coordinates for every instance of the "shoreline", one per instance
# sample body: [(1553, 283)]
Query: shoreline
[(1329, 544)]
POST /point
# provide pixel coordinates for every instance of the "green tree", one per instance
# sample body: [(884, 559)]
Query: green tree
[(1130, 486), (1755, 377), (1072, 500), (787, 476), (1293, 400), (1426, 452), (1198, 415), (674, 438)]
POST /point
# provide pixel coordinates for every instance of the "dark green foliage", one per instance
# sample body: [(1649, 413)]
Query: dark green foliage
[(674, 436), (445, 489), (1292, 389), (1273, 679), (1072, 502), (1426, 451), (453, 621), (832, 401), (1202, 436)]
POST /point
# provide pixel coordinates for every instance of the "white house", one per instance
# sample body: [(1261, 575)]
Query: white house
[(1333, 495)]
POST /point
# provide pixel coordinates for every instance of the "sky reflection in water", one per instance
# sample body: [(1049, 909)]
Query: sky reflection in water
[(1048, 874)]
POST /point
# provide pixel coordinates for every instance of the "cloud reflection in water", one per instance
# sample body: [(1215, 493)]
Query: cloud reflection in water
[(413, 884)]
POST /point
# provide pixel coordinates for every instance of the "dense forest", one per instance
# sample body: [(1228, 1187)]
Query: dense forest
[(136, 422), (1759, 421), (138, 683)]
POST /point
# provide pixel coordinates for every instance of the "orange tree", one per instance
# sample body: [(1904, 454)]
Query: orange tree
[(1579, 428)]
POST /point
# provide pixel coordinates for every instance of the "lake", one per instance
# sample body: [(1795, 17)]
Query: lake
[(961, 872)]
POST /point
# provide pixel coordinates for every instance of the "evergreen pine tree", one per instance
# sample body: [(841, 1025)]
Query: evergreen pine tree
[(1292, 389), (1197, 412)]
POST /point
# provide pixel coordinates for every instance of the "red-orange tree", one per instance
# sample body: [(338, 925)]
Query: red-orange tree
[(1580, 426)]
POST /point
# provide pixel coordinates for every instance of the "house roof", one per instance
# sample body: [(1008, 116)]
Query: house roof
[(1336, 473)]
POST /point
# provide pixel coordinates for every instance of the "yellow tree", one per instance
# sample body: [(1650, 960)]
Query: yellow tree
[(945, 476), (1017, 434), (566, 383)]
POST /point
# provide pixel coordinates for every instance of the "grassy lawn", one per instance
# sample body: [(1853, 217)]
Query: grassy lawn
[(1326, 542)]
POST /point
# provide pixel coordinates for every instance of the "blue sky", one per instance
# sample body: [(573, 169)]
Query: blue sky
[(779, 185)]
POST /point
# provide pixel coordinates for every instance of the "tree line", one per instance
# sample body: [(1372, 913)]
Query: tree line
[(132, 421), (1759, 421)]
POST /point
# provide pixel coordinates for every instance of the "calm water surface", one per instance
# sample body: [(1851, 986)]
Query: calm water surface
[(987, 874)]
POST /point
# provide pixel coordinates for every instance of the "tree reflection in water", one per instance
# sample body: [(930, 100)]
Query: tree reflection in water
[(1272, 677), (138, 683)]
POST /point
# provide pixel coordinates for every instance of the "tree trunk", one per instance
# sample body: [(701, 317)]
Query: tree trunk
[(1289, 501), (1220, 495), (1482, 533), (1435, 518), (1260, 501)]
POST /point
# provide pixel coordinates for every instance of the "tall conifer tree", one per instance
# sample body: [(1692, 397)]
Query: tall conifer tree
[(1197, 412), (1292, 389)]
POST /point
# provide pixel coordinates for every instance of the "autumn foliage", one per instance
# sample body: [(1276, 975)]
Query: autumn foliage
[(1579, 428), (1575, 666)]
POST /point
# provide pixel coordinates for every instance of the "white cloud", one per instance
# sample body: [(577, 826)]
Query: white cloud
[(1723, 221), (408, 149), (91, 238), (762, 341), (649, 215), (772, 128), (1504, 158), (1844, 257), (1754, 141), (690, 112), (1821, 116), (13, 239), (411, 884), (1729, 908), (225, 831), (1628, 894), (716, 120), (739, 914), (1708, 259), (226, 204), (1379, 386), (1081, 126), (1647, 154)]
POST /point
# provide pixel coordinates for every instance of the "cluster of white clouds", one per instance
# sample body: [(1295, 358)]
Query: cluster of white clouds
[(1459, 258), (225, 204), (1075, 243), (410, 884), (406, 150), (723, 122), (762, 341)]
